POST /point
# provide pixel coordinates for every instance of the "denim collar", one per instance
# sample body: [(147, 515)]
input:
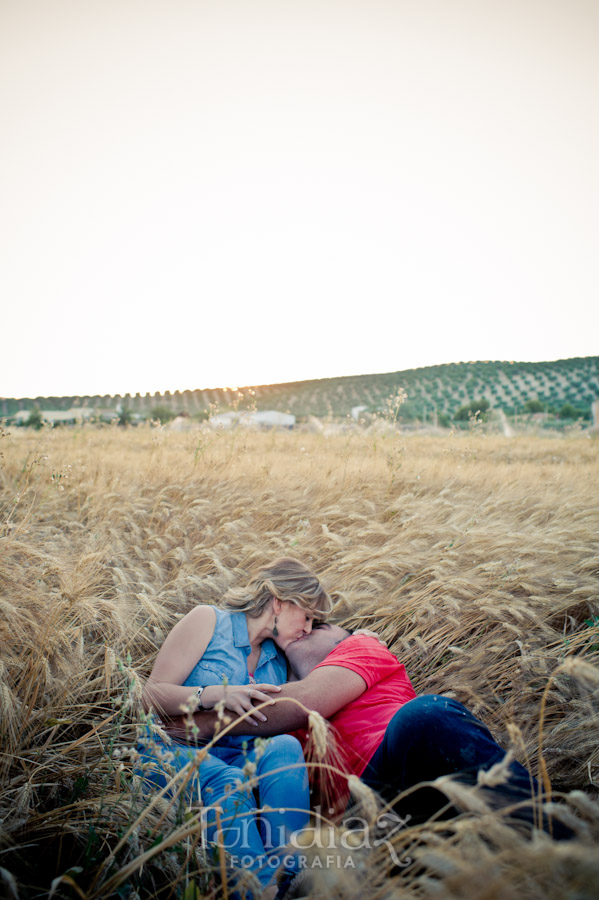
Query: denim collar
[(241, 638)]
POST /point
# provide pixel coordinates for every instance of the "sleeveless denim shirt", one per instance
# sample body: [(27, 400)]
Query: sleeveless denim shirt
[(226, 655)]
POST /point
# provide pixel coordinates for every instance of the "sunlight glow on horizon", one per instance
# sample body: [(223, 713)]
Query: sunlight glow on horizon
[(240, 387)]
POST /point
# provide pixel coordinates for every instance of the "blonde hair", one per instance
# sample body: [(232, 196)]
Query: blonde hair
[(287, 579)]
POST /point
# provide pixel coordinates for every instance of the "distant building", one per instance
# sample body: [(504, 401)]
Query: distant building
[(356, 412), (268, 418), (73, 416)]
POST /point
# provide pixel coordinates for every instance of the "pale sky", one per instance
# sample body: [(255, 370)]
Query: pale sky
[(201, 193)]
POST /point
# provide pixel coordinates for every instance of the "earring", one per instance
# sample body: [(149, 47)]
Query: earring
[(275, 630)]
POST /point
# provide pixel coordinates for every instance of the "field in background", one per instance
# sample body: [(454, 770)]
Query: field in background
[(475, 556), (434, 393)]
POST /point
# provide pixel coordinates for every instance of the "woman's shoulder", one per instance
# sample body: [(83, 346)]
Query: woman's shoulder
[(203, 614), (223, 623), (214, 615)]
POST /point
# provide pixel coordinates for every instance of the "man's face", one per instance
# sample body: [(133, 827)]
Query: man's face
[(308, 651)]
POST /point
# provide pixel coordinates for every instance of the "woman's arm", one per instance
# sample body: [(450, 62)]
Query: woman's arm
[(185, 644), (326, 690), (183, 647)]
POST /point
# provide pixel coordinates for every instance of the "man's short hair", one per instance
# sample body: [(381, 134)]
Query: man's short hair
[(321, 624)]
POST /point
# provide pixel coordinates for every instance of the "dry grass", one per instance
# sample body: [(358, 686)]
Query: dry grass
[(476, 557)]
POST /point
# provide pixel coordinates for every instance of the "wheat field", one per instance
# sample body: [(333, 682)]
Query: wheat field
[(476, 558)]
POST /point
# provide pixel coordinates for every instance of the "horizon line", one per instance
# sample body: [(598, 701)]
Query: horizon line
[(238, 388)]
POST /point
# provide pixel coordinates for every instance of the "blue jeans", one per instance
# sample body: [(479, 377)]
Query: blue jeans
[(282, 784), (432, 736)]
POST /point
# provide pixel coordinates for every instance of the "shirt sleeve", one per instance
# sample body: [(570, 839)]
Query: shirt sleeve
[(365, 656)]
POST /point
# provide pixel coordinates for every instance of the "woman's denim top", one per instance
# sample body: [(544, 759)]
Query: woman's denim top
[(226, 655)]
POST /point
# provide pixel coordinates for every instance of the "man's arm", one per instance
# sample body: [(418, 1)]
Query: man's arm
[(325, 690)]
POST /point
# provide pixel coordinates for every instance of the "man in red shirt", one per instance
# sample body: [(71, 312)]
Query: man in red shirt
[(359, 724), (385, 734), (393, 739)]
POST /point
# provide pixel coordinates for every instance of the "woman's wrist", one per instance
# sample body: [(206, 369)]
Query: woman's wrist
[(209, 697)]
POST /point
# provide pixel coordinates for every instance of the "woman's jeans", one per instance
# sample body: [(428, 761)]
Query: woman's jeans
[(282, 785), (432, 736)]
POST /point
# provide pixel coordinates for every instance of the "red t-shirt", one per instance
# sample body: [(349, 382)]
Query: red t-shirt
[(361, 724)]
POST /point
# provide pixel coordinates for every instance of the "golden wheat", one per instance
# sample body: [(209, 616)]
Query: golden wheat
[(475, 557)]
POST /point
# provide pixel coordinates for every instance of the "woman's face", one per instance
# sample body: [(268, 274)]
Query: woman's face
[(293, 622)]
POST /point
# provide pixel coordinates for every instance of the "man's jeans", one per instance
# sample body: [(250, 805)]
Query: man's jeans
[(432, 736)]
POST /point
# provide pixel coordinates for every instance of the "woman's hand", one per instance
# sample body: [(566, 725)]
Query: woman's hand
[(239, 698), (368, 633)]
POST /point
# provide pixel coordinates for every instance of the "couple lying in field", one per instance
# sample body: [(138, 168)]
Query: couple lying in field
[(270, 641)]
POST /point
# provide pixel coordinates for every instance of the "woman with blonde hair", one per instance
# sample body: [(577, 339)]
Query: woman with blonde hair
[(234, 655)]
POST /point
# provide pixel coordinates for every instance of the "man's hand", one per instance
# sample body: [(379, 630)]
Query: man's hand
[(325, 690)]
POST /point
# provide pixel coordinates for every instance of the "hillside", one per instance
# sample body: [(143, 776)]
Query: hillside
[(431, 390)]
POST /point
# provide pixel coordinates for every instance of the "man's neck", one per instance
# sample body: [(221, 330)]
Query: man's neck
[(302, 669)]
